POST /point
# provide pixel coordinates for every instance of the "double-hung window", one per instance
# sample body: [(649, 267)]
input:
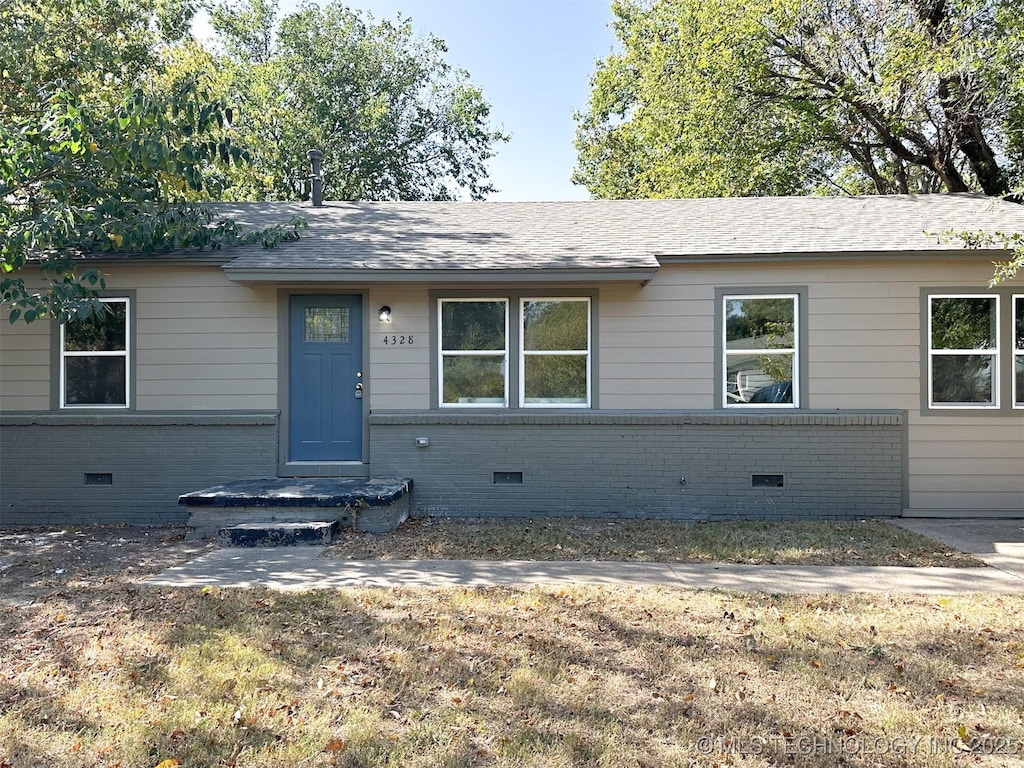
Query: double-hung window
[(94, 364), (474, 352), (555, 359), (549, 338), (760, 350), (1018, 351), (963, 351)]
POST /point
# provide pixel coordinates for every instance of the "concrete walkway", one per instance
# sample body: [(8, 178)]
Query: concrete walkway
[(998, 543), (301, 568)]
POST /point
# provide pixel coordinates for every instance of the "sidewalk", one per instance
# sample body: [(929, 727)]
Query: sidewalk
[(998, 543), (302, 568)]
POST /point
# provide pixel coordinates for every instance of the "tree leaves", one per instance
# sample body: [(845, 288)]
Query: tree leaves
[(795, 97), (95, 165), (393, 119)]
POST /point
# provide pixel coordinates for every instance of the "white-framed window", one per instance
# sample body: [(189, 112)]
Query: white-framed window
[(1018, 350), (554, 360), (518, 350), (963, 351), (473, 370), (94, 358), (760, 350)]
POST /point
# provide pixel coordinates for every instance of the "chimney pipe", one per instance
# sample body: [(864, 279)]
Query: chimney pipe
[(316, 158)]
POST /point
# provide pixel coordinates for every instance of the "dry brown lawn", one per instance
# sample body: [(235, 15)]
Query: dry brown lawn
[(868, 542), (96, 670)]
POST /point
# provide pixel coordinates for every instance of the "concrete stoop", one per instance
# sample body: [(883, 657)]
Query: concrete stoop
[(312, 534), (373, 505)]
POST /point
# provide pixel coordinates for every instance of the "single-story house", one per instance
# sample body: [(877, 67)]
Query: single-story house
[(813, 357)]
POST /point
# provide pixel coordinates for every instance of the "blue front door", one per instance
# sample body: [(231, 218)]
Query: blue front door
[(325, 378)]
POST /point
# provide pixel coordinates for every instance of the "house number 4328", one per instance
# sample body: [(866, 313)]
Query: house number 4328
[(395, 341)]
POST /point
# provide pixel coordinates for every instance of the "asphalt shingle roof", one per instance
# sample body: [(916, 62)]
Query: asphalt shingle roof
[(609, 235)]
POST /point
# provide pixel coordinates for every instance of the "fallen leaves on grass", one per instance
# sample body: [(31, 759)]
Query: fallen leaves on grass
[(776, 542), (489, 677)]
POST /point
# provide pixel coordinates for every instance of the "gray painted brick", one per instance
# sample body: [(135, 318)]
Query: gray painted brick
[(603, 464), (614, 465), (152, 460)]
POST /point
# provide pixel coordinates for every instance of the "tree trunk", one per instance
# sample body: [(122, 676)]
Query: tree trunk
[(946, 170), (970, 139)]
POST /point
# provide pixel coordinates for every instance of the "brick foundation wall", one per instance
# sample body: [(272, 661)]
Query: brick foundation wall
[(152, 459), (600, 464)]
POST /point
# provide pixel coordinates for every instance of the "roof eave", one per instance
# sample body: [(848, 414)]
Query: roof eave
[(626, 275), (217, 258), (941, 254)]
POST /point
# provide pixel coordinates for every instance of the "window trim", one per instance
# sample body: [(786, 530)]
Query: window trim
[(995, 353), (1016, 398), (798, 350), (523, 353), (1005, 358), (514, 297), (470, 353), (127, 353)]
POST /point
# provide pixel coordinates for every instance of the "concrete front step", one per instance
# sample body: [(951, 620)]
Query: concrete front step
[(313, 534), (372, 505)]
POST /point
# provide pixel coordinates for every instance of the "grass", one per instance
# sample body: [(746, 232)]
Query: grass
[(118, 675), (98, 671), (784, 543)]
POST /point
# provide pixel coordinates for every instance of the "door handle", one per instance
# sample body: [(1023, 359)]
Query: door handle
[(359, 391)]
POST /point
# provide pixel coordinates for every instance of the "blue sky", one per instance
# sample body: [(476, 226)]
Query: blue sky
[(533, 59)]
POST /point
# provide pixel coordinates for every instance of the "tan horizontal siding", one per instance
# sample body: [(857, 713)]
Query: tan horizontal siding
[(200, 372), (657, 342), (865, 304), (885, 385), (879, 324), (881, 291), (967, 462), (935, 452), (241, 388), (24, 365), (946, 466), (241, 341), (972, 430), (254, 326), (931, 483), (202, 356), (204, 341), (656, 347), (825, 355), (967, 501), (878, 338), (213, 310), (400, 374), (18, 338)]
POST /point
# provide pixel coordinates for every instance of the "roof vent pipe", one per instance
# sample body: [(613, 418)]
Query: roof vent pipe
[(316, 157)]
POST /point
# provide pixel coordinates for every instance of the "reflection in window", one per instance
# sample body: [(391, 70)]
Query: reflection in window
[(474, 352), (94, 358), (963, 351), (556, 352), (1018, 351), (760, 351), (327, 324)]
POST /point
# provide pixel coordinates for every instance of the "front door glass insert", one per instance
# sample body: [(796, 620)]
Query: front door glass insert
[(327, 324)]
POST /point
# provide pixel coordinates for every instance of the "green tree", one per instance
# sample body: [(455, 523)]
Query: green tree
[(393, 119), (753, 97), (97, 153)]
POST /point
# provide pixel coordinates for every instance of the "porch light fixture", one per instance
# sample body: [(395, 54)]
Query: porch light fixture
[(384, 314)]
